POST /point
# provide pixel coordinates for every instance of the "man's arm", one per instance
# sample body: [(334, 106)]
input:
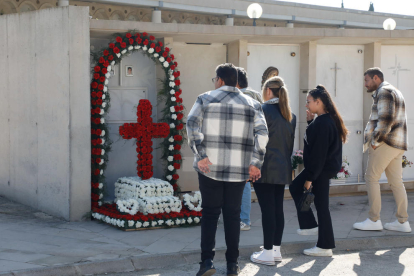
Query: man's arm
[(386, 109), (194, 124)]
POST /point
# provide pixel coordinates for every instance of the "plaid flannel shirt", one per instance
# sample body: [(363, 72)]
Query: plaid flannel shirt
[(252, 93), (230, 129), (388, 121)]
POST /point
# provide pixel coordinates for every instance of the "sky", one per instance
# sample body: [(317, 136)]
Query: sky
[(405, 7)]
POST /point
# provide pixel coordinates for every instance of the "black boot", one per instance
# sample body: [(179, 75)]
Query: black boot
[(206, 268), (233, 269)]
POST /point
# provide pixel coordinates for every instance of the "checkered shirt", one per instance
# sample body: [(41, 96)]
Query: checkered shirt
[(388, 120), (230, 129)]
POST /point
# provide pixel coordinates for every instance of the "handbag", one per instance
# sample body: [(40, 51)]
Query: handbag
[(306, 200)]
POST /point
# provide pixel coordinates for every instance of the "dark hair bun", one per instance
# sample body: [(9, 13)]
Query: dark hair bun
[(321, 87)]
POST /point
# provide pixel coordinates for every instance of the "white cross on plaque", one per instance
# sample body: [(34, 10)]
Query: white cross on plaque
[(397, 69), (336, 68)]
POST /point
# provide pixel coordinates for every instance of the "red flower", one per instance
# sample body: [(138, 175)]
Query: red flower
[(175, 63), (95, 197), (98, 131), (111, 45), (106, 63), (116, 50), (177, 147), (94, 85), (160, 43), (176, 166), (93, 94), (123, 45), (168, 60), (99, 102), (100, 87), (172, 56), (180, 126), (111, 57), (139, 40), (105, 52), (128, 35), (172, 67), (175, 176), (165, 54), (146, 42), (177, 108), (98, 160), (99, 94), (137, 34), (180, 116), (102, 79), (104, 70), (157, 49), (144, 34), (177, 156), (97, 172), (152, 45), (97, 69), (177, 82), (101, 60), (178, 137), (152, 37), (96, 76), (167, 49), (119, 39)]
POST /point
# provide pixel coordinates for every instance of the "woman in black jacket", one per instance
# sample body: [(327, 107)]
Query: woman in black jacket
[(322, 156), (276, 170)]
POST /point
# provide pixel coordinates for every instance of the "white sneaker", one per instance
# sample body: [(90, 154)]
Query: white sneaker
[(369, 225), (308, 232), (319, 252), (244, 226), (277, 256), (263, 257), (397, 226)]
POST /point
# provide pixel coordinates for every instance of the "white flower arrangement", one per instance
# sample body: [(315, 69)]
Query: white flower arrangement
[(196, 220), (172, 109), (171, 139), (344, 172), (102, 121), (124, 51), (137, 47), (171, 147), (151, 50), (172, 77), (130, 48), (172, 125), (103, 97), (161, 59), (172, 84), (170, 158), (144, 48), (118, 55), (156, 55), (113, 62), (129, 206), (174, 116), (173, 99), (170, 168), (189, 201), (102, 135)]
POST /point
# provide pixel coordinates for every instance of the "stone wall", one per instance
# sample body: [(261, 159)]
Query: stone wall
[(45, 110)]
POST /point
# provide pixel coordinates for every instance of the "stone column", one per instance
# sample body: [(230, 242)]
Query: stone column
[(237, 53), (156, 16)]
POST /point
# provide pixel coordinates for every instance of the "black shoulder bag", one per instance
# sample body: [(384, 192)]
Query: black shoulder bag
[(306, 200)]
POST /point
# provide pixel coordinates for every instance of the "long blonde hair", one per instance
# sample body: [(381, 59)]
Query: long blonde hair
[(279, 90)]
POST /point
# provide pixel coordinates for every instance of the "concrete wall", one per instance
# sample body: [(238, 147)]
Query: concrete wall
[(45, 110)]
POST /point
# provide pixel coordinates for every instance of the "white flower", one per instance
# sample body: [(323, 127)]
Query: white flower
[(138, 225), (102, 161), (105, 89), (172, 125), (170, 158), (172, 78), (196, 220), (177, 221), (171, 168), (109, 68), (102, 151), (169, 222), (172, 109), (156, 55), (100, 196), (169, 177), (130, 48), (172, 84), (144, 48), (151, 50), (161, 59), (103, 105), (113, 62), (166, 64), (146, 224), (172, 92), (154, 223), (103, 97), (171, 147), (101, 172), (103, 140), (189, 220), (100, 185), (171, 139), (100, 203), (167, 210), (173, 99), (174, 116), (123, 51), (118, 55), (137, 47), (103, 134), (131, 223), (102, 112), (182, 221), (108, 75), (102, 121), (160, 222)]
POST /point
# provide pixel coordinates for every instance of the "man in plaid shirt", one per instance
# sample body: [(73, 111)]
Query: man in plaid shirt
[(385, 138), (228, 134)]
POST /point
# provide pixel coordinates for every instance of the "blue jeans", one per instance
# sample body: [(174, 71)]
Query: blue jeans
[(246, 204)]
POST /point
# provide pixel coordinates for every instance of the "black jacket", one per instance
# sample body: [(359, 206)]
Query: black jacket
[(322, 148), (277, 165)]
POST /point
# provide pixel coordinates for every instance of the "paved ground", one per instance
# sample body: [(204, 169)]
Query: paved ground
[(397, 261), (31, 240)]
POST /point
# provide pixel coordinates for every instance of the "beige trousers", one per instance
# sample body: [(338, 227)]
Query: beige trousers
[(388, 159)]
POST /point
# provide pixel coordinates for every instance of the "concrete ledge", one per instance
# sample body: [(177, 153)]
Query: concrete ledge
[(192, 257)]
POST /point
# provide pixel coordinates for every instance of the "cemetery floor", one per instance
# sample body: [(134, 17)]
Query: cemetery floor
[(32, 243)]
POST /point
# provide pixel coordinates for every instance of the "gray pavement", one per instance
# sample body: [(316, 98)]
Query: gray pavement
[(33, 241)]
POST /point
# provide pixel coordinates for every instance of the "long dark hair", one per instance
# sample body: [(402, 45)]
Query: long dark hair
[(322, 94)]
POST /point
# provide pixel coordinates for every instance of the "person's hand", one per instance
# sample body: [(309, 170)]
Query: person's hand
[(254, 173), (374, 147), (307, 185), (309, 116), (203, 165)]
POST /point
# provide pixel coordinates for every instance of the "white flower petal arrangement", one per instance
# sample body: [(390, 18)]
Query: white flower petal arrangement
[(189, 200)]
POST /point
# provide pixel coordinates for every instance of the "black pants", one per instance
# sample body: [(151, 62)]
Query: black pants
[(307, 220), (270, 198), (217, 196)]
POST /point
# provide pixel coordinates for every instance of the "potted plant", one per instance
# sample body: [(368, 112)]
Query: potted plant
[(297, 159), (406, 162), (343, 174)]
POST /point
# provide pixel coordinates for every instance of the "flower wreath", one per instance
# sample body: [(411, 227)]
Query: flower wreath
[(100, 103), (189, 201)]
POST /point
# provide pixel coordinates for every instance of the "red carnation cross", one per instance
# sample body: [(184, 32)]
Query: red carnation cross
[(144, 131)]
